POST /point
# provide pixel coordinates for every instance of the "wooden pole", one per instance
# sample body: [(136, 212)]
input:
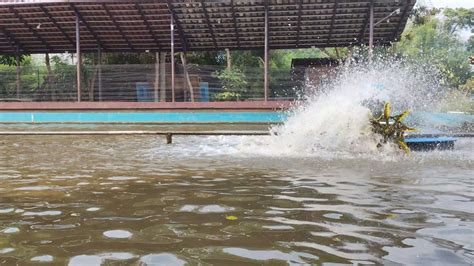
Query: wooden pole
[(172, 60), (18, 75), (265, 67), (169, 138), (228, 59), (371, 32), (99, 69), (78, 62), (157, 75), (163, 77), (186, 75)]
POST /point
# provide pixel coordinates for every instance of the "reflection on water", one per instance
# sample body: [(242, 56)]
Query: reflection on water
[(132, 199)]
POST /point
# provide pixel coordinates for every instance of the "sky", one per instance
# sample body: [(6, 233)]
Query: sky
[(449, 3)]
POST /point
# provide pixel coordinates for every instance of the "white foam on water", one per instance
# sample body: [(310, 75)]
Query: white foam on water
[(118, 234), (10, 230), (332, 120)]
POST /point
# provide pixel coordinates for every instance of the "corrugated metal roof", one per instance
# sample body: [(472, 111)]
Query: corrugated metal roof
[(140, 25)]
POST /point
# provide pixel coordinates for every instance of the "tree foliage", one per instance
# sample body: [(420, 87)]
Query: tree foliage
[(433, 40), (10, 60)]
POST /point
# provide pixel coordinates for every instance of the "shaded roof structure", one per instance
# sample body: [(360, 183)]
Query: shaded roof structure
[(29, 26)]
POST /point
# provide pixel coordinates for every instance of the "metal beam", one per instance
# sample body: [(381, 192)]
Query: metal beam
[(107, 11), (211, 30), (400, 22), (265, 68), (366, 21), (334, 11), (18, 75), (157, 77), (346, 43), (172, 60), (33, 31), (81, 18), (55, 22), (184, 42), (78, 55), (99, 71), (298, 24), (147, 24), (235, 22)]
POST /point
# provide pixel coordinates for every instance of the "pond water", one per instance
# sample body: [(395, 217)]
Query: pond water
[(90, 200)]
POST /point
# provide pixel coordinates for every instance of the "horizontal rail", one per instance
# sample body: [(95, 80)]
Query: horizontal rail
[(168, 134), (138, 132), (190, 133)]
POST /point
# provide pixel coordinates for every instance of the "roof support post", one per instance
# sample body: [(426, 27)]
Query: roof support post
[(371, 32), (265, 66), (163, 77), (184, 42), (157, 76), (186, 76), (18, 75), (99, 70), (81, 18), (78, 55), (228, 59), (172, 60)]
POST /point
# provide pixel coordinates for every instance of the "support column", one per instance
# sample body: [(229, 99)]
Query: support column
[(79, 59), (186, 76), (18, 75), (265, 66), (99, 70), (163, 77), (172, 60), (228, 59), (371, 32), (157, 76)]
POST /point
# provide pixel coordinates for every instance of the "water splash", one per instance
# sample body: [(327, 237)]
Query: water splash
[(333, 118)]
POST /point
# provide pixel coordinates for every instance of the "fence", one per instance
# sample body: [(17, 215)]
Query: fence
[(137, 83)]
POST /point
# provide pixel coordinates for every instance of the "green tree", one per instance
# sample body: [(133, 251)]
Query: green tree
[(458, 19), (434, 41)]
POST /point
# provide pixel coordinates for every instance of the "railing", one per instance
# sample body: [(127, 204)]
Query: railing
[(142, 83)]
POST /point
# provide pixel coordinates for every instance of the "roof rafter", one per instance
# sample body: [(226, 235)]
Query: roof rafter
[(35, 33), (147, 24), (88, 27), (117, 26), (235, 22), (298, 23), (55, 22), (12, 40), (206, 15), (331, 28), (402, 18)]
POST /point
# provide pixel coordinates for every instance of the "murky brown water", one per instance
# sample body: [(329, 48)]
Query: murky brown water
[(132, 199)]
